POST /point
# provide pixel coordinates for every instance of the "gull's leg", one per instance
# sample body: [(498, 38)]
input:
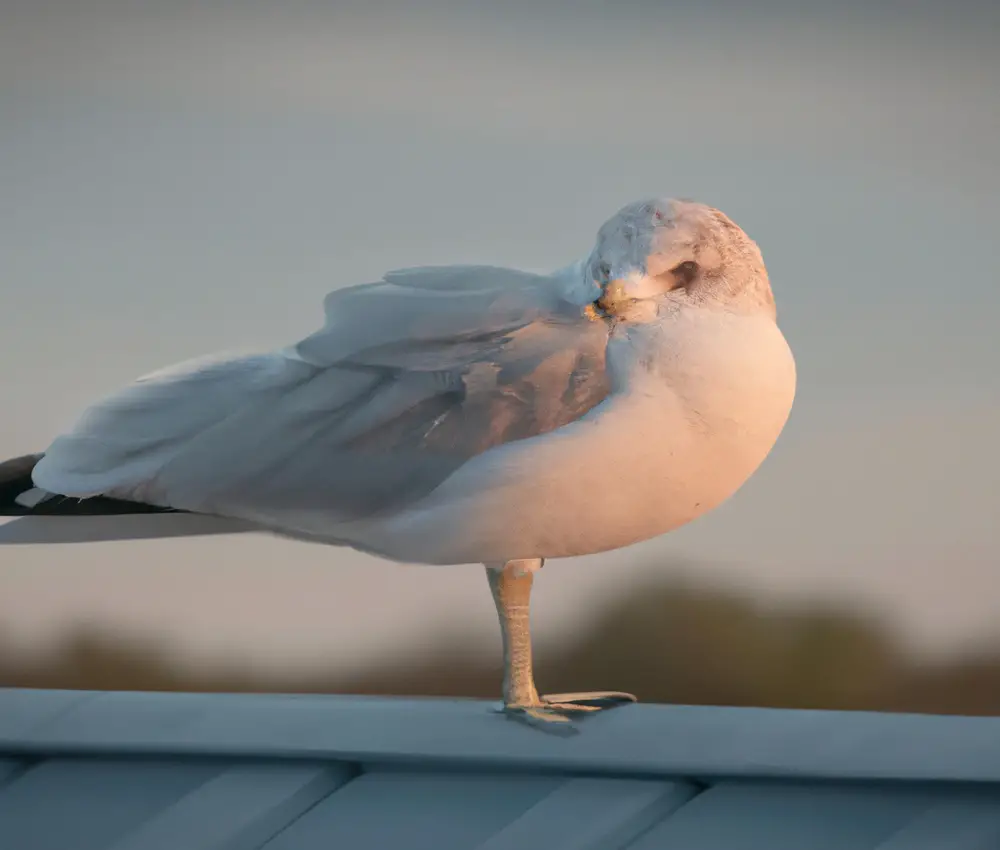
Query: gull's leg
[(511, 584)]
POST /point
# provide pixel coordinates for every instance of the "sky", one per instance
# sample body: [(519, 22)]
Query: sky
[(183, 178)]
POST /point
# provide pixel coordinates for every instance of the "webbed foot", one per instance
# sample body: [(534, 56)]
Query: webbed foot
[(555, 712)]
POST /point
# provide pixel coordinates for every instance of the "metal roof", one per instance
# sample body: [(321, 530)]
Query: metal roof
[(130, 771)]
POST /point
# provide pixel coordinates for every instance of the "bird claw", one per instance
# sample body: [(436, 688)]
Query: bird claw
[(570, 707), (588, 700), (555, 711)]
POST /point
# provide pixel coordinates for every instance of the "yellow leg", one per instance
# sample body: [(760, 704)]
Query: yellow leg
[(511, 588)]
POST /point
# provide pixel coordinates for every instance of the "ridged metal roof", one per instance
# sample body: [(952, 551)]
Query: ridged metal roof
[(96, 771)]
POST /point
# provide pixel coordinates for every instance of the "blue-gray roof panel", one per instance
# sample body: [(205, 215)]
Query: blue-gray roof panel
[(9, 768), (418, 811), (240, 809), (786, 816), (21, 710), (90, 804), (635, 739), (228, 772), (970, 823), (593, 813)]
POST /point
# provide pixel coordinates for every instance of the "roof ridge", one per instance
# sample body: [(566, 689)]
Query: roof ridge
[(633, 740)]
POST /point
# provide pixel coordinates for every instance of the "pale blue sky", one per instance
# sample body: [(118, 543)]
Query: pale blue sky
[(196, 177)]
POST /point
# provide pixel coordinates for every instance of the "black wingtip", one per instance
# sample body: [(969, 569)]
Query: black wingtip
[(15, 479)]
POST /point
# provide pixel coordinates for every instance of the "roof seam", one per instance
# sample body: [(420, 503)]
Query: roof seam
[(21, 767), (903, 827), (356, 771), (699, 789)]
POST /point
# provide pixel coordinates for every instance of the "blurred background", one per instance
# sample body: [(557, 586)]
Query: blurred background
[(185, 177)]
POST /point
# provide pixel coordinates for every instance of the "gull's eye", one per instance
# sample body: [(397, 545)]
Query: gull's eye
[(684, 273), (603, 271)]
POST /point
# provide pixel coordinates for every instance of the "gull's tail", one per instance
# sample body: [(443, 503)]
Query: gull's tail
[(43, 517)]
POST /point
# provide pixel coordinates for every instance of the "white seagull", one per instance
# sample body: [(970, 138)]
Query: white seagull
[(467, 414)]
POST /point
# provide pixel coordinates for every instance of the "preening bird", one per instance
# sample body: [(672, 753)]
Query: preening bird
[(466, 415)]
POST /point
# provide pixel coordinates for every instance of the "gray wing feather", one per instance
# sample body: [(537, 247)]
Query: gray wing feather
[(412, 308), (408, 379)]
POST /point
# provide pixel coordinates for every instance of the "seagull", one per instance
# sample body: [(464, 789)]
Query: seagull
[(467, 415)]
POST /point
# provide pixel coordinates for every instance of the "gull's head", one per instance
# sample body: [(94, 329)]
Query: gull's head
[(659, 254)]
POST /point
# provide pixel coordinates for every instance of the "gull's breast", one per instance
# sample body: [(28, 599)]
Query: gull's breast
[(689, 426)]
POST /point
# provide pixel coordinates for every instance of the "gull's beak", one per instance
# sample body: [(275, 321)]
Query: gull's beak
[(614, 295), (615, 292)]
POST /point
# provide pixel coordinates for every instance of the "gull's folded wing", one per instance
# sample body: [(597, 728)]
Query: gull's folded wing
[(445, 307), (407, 380)]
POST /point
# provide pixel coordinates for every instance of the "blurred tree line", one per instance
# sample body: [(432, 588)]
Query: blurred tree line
[(669, 642)]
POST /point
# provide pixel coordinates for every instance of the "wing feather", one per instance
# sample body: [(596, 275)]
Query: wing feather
[(407, 380), (414, 307)]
